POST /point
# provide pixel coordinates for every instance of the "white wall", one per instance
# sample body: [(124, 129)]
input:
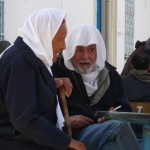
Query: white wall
[(17, 10), (142, 20), (120, 34), (78, 11)]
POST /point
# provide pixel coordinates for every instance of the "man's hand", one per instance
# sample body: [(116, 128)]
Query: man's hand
[(112, 109), (103, 119), (66, 83), (76, 145), (79, 121)]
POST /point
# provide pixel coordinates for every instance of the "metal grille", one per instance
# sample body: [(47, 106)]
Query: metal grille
[(1, 20), (129, 27)]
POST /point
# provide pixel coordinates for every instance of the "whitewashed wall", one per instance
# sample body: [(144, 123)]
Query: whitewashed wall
[(120, 35), (17, 10), (142, 20), (78, 12)]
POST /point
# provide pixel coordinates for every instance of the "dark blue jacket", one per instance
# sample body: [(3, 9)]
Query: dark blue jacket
[(79, 102), (28, 103), (136, 90)]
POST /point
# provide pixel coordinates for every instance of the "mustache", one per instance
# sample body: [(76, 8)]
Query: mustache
[(84, 62)]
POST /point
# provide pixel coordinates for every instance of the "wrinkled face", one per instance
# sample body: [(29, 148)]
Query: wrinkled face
[(58, 41), (84, 58)]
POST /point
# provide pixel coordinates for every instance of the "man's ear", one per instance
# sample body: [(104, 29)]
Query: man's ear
[(132, 67)]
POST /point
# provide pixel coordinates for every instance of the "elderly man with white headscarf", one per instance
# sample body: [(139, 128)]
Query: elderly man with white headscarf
[(96, 86), (30, 115)]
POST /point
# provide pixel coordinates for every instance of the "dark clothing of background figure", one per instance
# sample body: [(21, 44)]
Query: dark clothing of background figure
[(21, 70), (139, 47), (79, 102), (135, 89), (137, 84)]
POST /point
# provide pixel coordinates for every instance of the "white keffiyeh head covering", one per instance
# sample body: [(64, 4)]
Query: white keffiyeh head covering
[(38, 32), (85, 35)]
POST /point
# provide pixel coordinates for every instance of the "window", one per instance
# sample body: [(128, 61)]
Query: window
[(1, 20), (129, 27)]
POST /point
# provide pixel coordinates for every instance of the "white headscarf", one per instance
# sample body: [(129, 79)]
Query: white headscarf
[(37, 32), (85, 35)]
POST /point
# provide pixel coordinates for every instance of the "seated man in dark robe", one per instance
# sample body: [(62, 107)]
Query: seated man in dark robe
[(96, 86)]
